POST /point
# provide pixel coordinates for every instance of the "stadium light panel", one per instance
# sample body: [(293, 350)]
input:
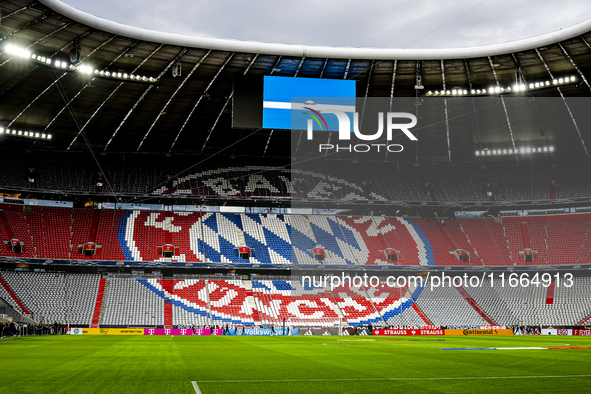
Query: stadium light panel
[(1, 130), (551, 149)]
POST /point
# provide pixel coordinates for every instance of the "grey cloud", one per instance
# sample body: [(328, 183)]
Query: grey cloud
[(346, 22)]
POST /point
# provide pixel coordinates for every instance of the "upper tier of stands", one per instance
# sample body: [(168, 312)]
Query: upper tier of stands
[(322, 182), (60, 233)]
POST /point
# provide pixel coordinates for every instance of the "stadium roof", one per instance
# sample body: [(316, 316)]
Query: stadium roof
[(191, 113)]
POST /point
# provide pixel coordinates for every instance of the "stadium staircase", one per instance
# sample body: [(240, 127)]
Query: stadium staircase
[(168, 286), (96, 216), (550, 294), (251, 302), (8, 234), (525, 235), (6, 224), (421, 314), (100, 295), (471, 301), (13, 296), (585, 321)]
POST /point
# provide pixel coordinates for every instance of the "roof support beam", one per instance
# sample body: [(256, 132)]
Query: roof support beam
[(347, 69), (394, 67), (197, 103), (84, 87), (323, 67), (176, 58), (129, 48), (172, 97), (520, 78), (565, 103), (230, 96), (295, 75), (34, 68), (39, 40), (45, 16), (504, 108), (467, 67), (574, 65), (446, 110), (19, 10), (42, 93)]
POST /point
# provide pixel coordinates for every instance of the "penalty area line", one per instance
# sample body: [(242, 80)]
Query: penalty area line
[(384, 379), (196, 387)]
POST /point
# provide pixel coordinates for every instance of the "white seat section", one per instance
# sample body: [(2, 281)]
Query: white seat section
[(51, 297), (445, 306), (527, 305), (127, 302)]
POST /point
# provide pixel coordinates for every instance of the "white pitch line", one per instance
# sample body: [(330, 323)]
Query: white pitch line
[(386, 379), (196, 387)]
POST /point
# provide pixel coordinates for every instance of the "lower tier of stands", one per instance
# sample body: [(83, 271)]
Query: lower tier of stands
[(193, 237), (150, 302)]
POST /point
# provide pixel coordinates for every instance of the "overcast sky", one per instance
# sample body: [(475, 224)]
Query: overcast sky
[(355, 23)]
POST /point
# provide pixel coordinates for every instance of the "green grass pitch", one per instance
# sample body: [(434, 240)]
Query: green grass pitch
[(158, 364)]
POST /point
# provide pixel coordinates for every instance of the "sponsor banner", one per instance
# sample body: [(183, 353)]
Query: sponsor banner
[(429, 327), (410, 332), (181, 331), (471, 332), (262, 332), (113, 331), (349, 331), (554, 331), (492, 327), (75, 331), (584, 333)]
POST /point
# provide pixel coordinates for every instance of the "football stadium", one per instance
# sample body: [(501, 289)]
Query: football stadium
[(185, 214)]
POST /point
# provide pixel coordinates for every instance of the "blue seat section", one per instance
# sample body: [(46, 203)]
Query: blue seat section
[(282, 285), (236, 219), (209, 252), (260, 248), (425, 240), (262, 253), (256, 284), (301, 241), (328, 242), (227, 248), (397, 311), (229, 251), (294, 259), (347, 234), (278, 244)]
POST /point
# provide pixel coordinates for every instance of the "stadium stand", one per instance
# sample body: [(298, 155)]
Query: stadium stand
[(60, 233), (197, 302), (528, 305)]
